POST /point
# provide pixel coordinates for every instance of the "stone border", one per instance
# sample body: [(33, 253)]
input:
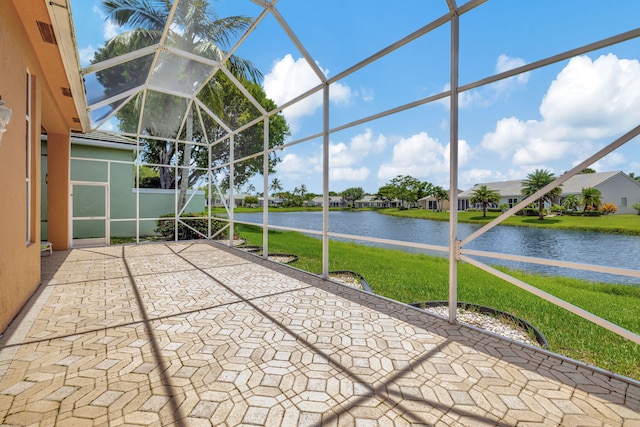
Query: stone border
[(492, 312), (363, 282)]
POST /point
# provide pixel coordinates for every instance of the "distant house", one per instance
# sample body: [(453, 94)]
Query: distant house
[(431, 203), (238, 200), (364, 202), (334, 202), (373, 202), (617, 188), (272, 201)]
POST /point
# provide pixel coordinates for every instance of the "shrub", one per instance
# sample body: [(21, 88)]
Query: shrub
[(608, 208), (166, 227), (528, 212), (636, 206), (251, 201), (585, 213)]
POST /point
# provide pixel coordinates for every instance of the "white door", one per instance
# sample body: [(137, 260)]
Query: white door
[(89, 220)]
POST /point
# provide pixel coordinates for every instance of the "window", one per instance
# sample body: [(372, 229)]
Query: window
[(623, 201), (512, 202), (28, 160)]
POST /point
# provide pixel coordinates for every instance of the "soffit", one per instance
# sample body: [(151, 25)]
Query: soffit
[(58, 77)]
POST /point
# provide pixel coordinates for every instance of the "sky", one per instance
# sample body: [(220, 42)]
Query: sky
[(550, 118)]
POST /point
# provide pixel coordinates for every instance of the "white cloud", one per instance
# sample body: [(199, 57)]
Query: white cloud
[(612, 161), (349, 174), (367, 94), (509, 132), (110, 29), (340, 94), (108, 126), (345, 159), (421, 156), (365, 143), (290, 78), (86, 55), (594, 99), (470, 98), (506, 63), (486, 96), (355, 152), (294, 164), (632, 167), (587, 101)]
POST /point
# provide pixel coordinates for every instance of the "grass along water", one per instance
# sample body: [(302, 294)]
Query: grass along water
[(417, 278)]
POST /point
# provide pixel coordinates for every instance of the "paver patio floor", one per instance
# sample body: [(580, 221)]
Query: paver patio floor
[(192, 333)]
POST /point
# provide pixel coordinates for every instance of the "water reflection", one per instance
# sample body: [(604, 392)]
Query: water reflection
[(565, 245)]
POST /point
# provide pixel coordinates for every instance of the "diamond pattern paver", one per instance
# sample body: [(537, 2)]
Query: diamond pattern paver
[(194, 333)]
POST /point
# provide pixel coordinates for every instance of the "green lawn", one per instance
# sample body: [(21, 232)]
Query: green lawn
[(417, 278), (619, 224)]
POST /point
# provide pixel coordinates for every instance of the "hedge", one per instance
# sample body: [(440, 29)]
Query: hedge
[(166, 227)]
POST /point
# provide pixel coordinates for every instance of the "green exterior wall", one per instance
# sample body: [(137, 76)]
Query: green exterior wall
[(91, 164)]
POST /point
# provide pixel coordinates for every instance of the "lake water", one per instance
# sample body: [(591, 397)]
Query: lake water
[(611, 250)]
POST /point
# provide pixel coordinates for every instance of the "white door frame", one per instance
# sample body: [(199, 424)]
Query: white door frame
[(95, 241)]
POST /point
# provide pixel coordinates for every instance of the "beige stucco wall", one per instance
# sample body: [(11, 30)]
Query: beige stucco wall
[(19, 259), (58, 154)]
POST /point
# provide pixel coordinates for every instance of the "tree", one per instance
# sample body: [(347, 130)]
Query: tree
[(406, 189), (590, 198), (386, 193), (571, 202), (276, 186), (484, 196), (303, 191), (148, 178), (251, 189), (288, 198), (236, 113), (439, 194), (352, 194), (586, 171), (633, 175), (535, 181), (199, 31), (251, 201)]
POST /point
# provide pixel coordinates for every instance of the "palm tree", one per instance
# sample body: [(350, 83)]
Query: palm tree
[(591, 197), (251, 189), (535, 181), (439, 194), (276, 186), (196, 30), (484, 196), (572, 201)]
